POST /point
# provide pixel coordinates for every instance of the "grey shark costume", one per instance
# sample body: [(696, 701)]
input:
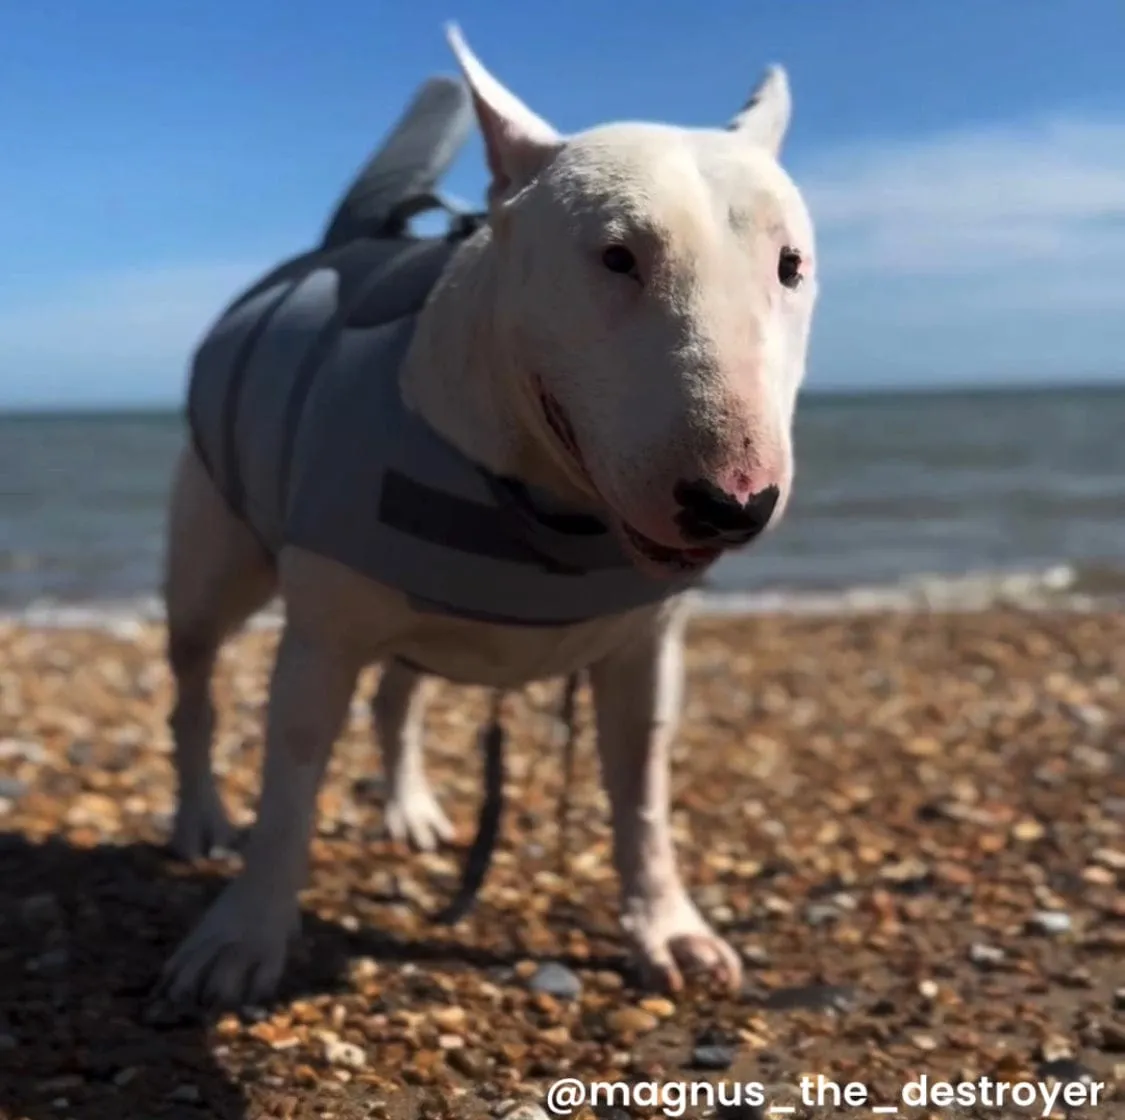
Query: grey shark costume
[(295, 411)]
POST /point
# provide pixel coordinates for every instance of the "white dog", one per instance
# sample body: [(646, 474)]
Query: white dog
[(602, 383)]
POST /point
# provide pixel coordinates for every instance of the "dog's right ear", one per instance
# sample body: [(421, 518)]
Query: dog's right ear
[(765, 118), (518, 143)]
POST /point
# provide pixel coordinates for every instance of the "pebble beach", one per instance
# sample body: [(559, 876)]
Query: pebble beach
[(910, 825)]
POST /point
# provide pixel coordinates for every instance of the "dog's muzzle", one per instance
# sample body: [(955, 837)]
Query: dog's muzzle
[(678, 559)]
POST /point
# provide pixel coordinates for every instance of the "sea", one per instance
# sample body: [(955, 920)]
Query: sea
[(919, 500)]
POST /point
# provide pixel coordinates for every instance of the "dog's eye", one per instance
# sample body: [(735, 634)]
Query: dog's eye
[(618, 259), (789, 268)]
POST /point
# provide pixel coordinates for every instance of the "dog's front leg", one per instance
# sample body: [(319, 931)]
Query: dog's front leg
[(638, 693), (236, 954)]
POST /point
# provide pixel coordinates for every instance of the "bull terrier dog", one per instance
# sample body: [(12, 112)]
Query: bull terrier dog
[(494, 458)]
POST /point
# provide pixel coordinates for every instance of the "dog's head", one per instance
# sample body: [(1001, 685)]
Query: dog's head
[(656, 289)]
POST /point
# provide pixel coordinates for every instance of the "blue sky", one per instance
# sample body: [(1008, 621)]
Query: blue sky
[(964, 161)]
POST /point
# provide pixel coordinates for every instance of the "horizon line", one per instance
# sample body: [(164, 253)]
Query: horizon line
[(1110, 383)]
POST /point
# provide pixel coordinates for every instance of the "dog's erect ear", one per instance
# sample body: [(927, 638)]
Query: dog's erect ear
[(518, 143), (765, 119)]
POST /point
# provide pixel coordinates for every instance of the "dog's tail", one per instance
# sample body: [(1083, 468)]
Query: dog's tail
[(400, 179)]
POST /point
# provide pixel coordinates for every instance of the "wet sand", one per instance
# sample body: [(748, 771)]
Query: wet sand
[(912, 826)]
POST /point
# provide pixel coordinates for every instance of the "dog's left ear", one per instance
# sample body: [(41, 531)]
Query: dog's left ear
[(765, 119), (518, 143)]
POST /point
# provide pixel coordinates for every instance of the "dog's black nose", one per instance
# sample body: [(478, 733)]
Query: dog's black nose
[(710, 514)]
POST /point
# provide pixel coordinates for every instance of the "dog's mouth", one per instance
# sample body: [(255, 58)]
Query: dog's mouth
[(673, 559), (658, 556)]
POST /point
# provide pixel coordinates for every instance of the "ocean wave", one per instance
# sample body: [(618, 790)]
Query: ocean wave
[(1061, 587)]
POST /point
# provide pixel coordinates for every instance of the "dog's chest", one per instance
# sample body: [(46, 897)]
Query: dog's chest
[(508, 657), (341, 607)]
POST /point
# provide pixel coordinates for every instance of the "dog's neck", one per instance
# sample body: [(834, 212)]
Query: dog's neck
[(462, 376)]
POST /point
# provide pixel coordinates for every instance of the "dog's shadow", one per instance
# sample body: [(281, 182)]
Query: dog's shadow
[(83, 935)]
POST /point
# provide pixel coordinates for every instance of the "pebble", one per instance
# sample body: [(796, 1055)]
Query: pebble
[(525, 1110), (1089, 714), (185, 1094), (631, 1020), (555, 1036), (821, 914), (1119, 1000), (12, 789), (472, 1063), (80, 753), (1055, 1048), (985, 956), (1051, 922), (449, 1019), (346, 1054), (22, 750), (40, 909), (50, 963), (1110, 858), (811, 997), (711, 1057), (554, 979), (369, 788), (61, 1083), (1028, 829), (756, 956), (1064, 1069)]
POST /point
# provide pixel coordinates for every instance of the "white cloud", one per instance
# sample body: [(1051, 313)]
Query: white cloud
[(994, 252), (972, 203)]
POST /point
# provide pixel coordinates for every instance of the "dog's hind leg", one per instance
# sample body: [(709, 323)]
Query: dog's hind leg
[(216, 576), (411, 811)]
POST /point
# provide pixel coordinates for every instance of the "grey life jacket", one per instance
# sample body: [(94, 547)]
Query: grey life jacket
[(295, 410)]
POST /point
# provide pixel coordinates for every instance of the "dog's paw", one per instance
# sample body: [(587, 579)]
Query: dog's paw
[(201, 828), (672, 939), (413, 816), (234, 957)]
